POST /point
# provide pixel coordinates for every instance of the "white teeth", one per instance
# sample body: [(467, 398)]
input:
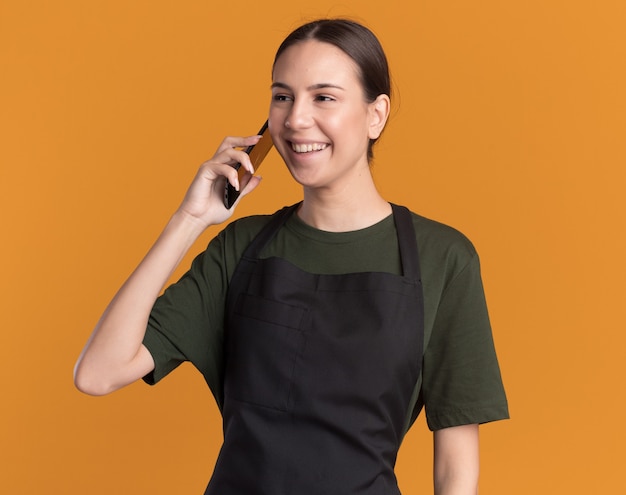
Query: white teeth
[(307, 148)]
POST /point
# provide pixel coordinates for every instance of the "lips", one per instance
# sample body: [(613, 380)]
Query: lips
[(308, 147)]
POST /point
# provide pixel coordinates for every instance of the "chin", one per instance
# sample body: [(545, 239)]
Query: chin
[(306, 179)]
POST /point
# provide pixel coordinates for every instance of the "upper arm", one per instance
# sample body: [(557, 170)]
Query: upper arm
[(142, 365), (456, 459)]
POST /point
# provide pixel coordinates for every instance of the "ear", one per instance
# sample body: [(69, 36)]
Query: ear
[(378, 113)]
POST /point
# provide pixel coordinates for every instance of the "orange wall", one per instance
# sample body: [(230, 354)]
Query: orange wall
[(509, 124)]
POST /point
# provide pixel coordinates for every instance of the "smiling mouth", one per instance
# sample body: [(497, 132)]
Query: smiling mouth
[(308, 148)]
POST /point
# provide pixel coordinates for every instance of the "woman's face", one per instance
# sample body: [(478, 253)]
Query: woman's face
[(319, 119)]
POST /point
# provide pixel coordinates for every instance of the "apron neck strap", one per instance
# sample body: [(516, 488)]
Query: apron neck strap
[(407, 242)]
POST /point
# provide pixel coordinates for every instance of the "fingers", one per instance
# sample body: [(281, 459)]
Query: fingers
[(231, 151), (237, 142), (216, 170), (250, 185)]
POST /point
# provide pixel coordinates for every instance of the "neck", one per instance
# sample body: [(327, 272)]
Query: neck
[(345, 209)]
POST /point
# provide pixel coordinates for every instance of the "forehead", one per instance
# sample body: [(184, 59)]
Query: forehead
[(314, 61)]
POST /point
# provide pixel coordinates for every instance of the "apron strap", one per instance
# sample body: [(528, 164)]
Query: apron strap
[(407, 242)]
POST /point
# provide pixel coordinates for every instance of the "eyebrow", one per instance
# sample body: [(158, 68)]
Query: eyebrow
[(313, 87)]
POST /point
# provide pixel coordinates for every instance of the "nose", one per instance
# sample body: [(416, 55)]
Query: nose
[(299, 115)]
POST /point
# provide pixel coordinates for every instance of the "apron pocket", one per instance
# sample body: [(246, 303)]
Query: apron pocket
[(264, 343)]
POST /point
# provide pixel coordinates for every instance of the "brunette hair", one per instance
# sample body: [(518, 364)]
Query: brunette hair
[(356, 41)]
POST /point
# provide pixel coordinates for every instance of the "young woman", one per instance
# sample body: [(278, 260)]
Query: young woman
[(322, 330)]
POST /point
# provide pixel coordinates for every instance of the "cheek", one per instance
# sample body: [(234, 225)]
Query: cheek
[(274, 122), (351, 126), (279, 109)]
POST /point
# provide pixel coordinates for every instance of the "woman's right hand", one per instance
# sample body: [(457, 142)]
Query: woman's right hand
[(204, 200)]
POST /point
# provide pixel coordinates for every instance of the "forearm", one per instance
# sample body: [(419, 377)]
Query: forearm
[(456, 460), (113, 356)]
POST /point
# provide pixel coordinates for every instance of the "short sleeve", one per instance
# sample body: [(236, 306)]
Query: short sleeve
[(461, 377), (186, 322)]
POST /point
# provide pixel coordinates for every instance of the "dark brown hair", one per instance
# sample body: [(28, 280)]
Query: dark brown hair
[(356, 41)]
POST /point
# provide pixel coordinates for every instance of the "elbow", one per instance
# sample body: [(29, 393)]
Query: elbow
[(98, 375), (89, 382)]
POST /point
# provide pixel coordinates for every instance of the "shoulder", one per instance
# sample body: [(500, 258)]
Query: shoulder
[(221, 256), (445, 253), (442, 242), (237, 235), (246, 228)]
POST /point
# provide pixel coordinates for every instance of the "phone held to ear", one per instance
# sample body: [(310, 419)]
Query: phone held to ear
[(257, 153)]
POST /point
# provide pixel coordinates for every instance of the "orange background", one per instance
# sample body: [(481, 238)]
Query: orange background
[(509, 124)]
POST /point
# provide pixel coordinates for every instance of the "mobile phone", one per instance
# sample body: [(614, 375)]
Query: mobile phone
[(257, 153)]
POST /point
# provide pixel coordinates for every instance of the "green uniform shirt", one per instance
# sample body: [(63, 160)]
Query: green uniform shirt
[(460, 382)]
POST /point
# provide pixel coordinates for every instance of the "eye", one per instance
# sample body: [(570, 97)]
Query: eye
[(281, 97), (324, 98)]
